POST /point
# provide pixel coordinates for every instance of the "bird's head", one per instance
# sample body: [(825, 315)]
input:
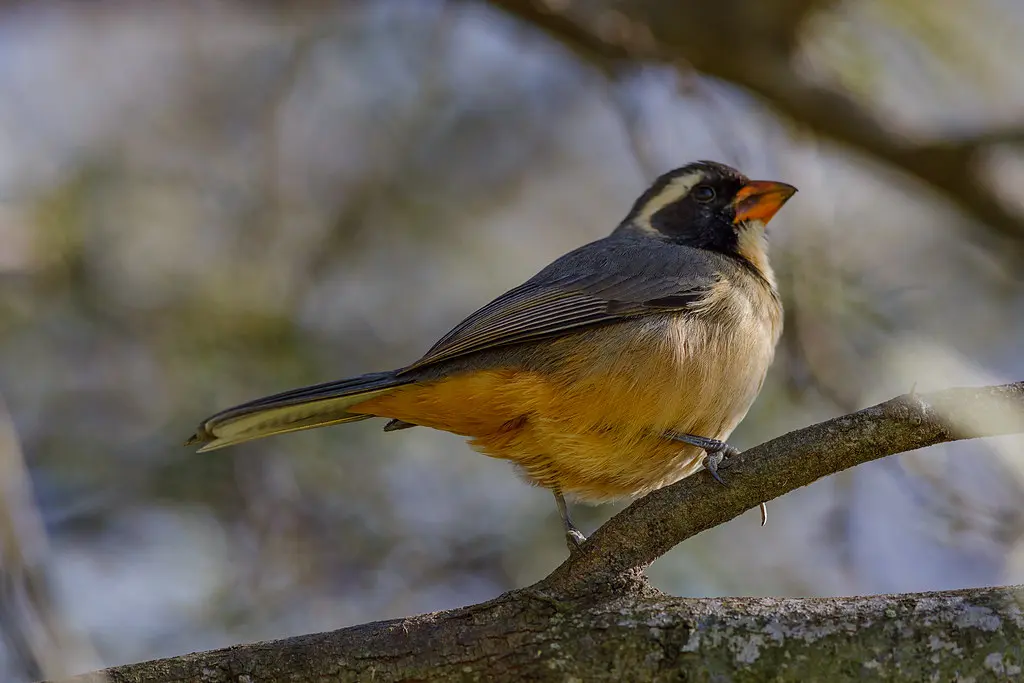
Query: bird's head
[(709, 206)]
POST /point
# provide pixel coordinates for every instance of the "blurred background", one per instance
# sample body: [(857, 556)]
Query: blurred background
[(202, 202)]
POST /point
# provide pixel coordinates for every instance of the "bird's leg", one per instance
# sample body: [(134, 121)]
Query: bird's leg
[(574, 538), (717, 451)]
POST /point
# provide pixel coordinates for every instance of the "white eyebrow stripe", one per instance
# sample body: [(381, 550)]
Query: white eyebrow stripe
[(670, 194)]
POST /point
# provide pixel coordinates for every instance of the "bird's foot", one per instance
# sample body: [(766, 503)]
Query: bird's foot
[(717, 452), (574, 538), (712, 461)]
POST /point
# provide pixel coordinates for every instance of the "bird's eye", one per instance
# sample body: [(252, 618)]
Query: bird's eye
[(703, 194)]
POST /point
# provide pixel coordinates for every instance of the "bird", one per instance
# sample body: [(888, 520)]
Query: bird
[(620, 368)]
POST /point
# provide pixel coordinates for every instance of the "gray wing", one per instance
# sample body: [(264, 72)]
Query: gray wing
[(602, 282)]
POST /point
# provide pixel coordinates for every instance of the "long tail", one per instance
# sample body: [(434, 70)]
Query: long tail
[(306, 408)]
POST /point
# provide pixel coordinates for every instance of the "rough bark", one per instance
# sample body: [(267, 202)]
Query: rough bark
[(596, 619), (636, 637)]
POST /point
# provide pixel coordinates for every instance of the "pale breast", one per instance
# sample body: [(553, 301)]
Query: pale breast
[(719, 358), (695, 372)]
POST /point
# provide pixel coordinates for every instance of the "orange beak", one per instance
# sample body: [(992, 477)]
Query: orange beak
[(759, 200)]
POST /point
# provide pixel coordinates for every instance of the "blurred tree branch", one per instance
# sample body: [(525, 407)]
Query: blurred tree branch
[(38, 641), (596, 618), (753, 45)]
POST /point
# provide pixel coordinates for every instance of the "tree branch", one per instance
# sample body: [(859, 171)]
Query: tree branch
[(595, 618), (751, 45), (928, 636)]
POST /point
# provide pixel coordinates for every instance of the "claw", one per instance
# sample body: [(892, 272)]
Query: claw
[(717, 451), (717, 456), (574, 538), (712, 461)]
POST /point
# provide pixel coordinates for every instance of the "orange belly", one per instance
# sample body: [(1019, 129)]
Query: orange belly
[(592, 422), (559, 440)]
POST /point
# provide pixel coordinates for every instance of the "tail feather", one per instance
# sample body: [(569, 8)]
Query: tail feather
[(320, 405)]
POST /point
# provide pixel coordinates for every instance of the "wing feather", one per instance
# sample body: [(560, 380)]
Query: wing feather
[(600, 283)]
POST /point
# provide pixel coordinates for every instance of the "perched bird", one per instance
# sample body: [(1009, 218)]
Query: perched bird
[(618, 369)]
